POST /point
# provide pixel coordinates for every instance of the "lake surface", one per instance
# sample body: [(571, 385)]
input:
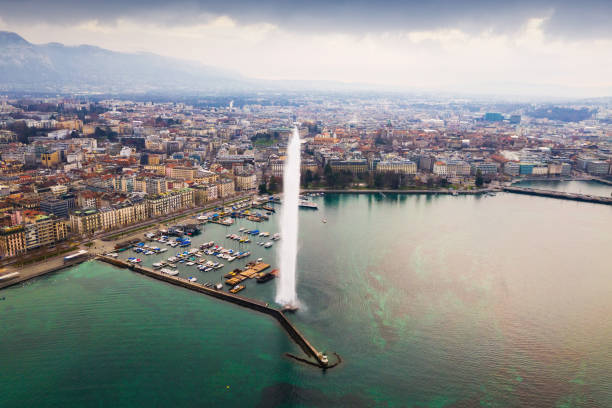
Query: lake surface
[(573, 186), (432, 301)]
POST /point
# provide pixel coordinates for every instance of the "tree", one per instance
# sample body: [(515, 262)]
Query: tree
[(262, 189), (105, 133), (330, 177), (307, 178), (343, 179), (274, 185), (379, 180), (327, 171), (479, 179)]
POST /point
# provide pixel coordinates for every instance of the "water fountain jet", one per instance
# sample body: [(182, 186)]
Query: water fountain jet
[(286, 294)]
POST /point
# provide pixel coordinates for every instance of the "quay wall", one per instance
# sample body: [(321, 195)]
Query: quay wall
[(253, 304), (372, 191), (559, 194)]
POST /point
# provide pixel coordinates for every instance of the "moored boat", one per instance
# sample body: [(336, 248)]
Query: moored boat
[(237, 288)]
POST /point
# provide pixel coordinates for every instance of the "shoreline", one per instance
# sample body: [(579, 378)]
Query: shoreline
[(390, 191), (99, 245), (45, 267)]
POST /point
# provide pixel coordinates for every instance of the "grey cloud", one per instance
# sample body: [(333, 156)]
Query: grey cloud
[(587, 18)]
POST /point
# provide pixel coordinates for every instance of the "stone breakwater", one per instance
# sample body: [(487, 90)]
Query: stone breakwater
[(319, 358)]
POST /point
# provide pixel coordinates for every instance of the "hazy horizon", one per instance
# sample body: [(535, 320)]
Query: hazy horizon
[(541, 48)]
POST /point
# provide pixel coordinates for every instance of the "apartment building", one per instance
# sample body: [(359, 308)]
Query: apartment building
[(226, 188), (245, 181), (170, 202), (397, 166), (42, 230), (12, 241)]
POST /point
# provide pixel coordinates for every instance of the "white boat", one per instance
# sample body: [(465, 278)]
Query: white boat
[(276, 237), (169, 272), (268, 244), (192, 279), (157, 265), (190, 263), (259, 259), (308, 204), (163, 249), (113, 255)]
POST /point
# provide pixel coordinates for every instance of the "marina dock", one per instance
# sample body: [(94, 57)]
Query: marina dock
[(292, 331), (559, 194)]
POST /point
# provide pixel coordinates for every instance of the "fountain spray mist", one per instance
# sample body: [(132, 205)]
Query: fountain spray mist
[(285, 289)]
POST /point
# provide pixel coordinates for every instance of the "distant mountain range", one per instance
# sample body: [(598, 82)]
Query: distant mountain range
[(55, 67)]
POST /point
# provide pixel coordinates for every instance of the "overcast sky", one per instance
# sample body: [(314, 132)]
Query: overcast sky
[(561, 48)]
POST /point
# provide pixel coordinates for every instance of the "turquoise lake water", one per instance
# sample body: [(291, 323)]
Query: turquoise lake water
[(432, 301)]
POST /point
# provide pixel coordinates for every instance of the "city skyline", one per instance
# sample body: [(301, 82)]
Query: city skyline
[(554, 49)]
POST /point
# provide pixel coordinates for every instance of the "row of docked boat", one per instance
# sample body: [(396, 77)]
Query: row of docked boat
[(145, 249), (257, 233), (241, 239), (177, 242), (195, 257), (235, 278), (226, 253)]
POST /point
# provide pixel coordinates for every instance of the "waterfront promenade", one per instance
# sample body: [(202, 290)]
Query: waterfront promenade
[(34, 270)]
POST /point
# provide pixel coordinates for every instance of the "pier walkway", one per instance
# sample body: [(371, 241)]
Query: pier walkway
[(294, 333), (559, 194)]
